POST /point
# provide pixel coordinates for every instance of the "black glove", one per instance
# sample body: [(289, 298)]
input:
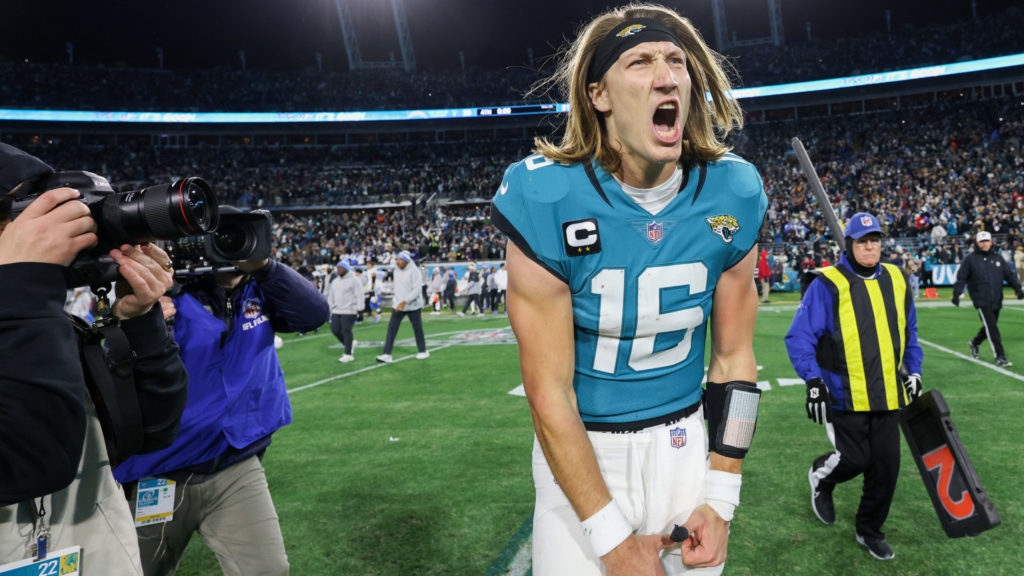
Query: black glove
[(817, 401), (956, 301), (913, 386)]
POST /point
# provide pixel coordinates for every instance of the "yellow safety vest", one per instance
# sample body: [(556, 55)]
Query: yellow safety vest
[(866, 349)]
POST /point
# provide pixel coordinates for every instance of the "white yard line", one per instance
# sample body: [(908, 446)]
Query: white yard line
[(992, 367), (361, 370)]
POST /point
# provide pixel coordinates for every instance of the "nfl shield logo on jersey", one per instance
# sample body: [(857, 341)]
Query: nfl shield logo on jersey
[(655, 232), (678, 436)]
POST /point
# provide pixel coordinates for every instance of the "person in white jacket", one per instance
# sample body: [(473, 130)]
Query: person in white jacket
[(345, 297), (434, 288), (408, 301)]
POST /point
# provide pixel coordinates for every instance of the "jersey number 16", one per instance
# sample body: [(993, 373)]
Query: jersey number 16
[(610, 285)]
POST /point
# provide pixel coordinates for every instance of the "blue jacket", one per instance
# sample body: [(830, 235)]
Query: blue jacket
[(237, 395), (815, 319)]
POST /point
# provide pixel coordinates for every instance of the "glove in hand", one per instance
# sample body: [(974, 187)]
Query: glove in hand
[(817, 401), (913, 386)]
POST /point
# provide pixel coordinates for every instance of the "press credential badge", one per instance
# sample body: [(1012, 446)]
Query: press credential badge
[(155, 501)]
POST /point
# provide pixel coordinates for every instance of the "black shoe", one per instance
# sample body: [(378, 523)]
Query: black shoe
[(1003, 362), (974, 349), (878, 547), (821, 501)]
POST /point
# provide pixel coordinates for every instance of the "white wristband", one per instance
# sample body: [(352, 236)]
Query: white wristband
[(722, 492), (606, 529)]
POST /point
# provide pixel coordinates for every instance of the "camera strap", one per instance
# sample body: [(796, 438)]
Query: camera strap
[(109, 378)]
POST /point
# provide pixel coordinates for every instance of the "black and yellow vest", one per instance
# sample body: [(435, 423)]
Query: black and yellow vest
[(866, 349)]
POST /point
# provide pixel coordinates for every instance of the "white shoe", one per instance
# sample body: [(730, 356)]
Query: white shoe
[(461, 313), (346, 358), (423, 355), (435, 313), (385, 358)]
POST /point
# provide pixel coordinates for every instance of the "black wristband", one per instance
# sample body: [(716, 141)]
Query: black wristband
[(731, 412)]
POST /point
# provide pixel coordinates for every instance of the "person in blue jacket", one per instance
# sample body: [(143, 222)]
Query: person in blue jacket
[(855, 329), (212, 475)]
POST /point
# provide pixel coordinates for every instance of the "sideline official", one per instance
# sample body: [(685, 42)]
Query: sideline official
[(983, 272), (855, 327)]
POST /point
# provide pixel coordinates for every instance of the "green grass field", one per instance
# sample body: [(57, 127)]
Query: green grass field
[(423, 467)]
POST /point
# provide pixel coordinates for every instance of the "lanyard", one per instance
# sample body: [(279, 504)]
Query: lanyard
[(42, 532)]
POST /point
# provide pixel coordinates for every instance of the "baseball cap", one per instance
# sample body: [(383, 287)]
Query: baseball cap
[(17, 166), (984, 235), (861, 224)]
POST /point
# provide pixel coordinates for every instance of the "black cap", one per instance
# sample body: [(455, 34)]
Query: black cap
[(17, 166)]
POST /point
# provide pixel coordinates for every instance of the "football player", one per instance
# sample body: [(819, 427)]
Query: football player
[(626, 238)]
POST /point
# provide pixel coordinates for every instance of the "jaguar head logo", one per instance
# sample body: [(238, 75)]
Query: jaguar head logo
[(724, 226)]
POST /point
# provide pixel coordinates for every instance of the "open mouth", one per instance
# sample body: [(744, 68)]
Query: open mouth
[(665, 121)]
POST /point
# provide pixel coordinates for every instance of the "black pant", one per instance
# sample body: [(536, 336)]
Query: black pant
[(470, 298), (866, 443), (495, 300), (341, 327), (448, 298), (989, 330), (415, 317)]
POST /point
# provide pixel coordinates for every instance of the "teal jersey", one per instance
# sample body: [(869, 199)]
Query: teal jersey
[(641, 284)]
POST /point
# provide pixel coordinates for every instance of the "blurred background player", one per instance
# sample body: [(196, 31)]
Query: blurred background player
[(345, 298), (450, 286), (492, 289), (434, 289), (407, 301), (474, 286), (854, 385), (648, 226)]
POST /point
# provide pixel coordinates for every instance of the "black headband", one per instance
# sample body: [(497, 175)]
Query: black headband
[(623, 37)]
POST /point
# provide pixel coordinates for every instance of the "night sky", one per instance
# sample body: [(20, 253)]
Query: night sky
[(285, 34)]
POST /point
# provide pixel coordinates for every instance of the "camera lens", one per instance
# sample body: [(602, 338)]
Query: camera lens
[(198, 201), (164, 212), (233, 241)]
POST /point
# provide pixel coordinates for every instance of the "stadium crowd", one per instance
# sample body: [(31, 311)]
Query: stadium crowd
[(933, 174), (114, 87)]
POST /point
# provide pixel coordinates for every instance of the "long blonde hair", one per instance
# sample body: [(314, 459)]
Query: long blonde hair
[(707, 124)]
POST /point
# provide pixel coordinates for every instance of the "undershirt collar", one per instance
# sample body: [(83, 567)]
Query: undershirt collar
[(655, 199)]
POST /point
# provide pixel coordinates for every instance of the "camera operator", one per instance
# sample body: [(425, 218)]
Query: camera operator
[(225, 324), (55, 478)]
